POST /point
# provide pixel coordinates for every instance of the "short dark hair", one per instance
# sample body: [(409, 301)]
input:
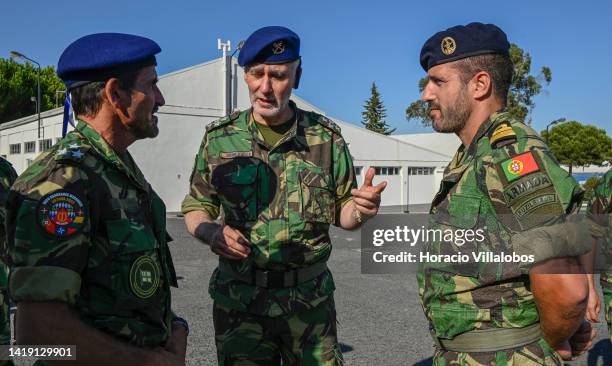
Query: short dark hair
[(87, 99), (499, 67)]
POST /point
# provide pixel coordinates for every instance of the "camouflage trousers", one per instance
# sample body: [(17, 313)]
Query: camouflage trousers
[(606, 286), (537, 353), (304, 338), (5, 317)]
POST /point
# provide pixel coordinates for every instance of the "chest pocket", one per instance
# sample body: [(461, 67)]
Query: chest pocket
[(317, 197), (237, 183), (136, 272)]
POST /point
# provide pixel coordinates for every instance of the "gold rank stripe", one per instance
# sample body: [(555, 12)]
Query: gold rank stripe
[(502, 131)]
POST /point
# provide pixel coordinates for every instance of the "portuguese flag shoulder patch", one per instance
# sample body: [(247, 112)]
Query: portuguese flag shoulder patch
[(519, 165)]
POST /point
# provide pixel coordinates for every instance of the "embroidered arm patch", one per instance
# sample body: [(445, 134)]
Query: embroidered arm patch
[(61, 214)]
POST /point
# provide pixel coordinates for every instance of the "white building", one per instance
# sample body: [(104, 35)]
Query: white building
[(200, 94)]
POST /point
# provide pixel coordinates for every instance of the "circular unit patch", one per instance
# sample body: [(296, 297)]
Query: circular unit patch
[(61, 214), (144, 277)]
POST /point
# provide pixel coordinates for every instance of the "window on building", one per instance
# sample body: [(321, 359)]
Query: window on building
[(44, 144), (358, 170), (420, 171), (387, 170), (29, 146), (15, 149)]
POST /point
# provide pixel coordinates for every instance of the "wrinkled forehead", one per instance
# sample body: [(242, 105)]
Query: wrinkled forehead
[(272, 67)]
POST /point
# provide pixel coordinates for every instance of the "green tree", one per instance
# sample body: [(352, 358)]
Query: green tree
[(373, 116), (523, 89), (576, 144), (589, 186), (18, 84)]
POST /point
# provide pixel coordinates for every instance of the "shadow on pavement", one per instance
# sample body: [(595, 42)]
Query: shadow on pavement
[(425, 362), (345, 348), (601, 353)]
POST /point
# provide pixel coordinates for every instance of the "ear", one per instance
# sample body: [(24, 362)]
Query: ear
[(116, 97), (298, 75), (481, 85)]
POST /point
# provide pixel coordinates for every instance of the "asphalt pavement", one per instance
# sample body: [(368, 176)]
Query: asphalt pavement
[(380, 319)]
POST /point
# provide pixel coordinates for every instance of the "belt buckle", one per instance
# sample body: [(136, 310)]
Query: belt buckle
[(269, 279)]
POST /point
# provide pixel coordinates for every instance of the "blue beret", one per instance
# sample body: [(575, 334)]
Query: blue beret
[(463, 41), (98, 57), (270, 45)]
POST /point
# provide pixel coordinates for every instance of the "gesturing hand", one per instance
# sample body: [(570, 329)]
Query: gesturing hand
[(229, 243), (367, 197)]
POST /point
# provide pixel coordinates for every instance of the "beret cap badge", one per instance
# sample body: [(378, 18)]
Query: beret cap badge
[(278, 47), (448, 45)]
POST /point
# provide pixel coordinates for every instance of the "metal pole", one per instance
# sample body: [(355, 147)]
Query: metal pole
[(559, 120), (38, 104), (15, 54)]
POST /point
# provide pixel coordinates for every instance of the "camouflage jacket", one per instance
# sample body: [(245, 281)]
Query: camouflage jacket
[(282, 198), (505, 183), (600, 209), (85, 228), (7, 178)]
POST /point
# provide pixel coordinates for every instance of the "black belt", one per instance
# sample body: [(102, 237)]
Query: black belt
[(274, 279)]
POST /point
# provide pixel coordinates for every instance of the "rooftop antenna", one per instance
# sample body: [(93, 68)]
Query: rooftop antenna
[(227, 76), (225, 47)]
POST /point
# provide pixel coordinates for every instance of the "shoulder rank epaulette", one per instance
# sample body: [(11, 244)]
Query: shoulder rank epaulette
[(329, 124), (222, 121), (73, 152), (502, 135)]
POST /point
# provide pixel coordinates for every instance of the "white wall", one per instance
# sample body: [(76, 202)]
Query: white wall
[(194, 99)]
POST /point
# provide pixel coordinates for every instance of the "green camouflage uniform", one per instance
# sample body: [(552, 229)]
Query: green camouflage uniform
[(506, 182), (7, 178), (86, 228), (601, 207), (283, 199)]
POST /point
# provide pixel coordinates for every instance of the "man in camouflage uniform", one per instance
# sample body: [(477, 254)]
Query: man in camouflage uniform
[(502, 180), (7, 178), (600, 208), (87, 237), (281, 176)]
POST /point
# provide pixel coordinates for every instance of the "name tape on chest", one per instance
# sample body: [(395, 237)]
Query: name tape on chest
[(236, 154)]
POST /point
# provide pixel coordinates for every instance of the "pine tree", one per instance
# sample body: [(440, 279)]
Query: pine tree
[(373, 117)]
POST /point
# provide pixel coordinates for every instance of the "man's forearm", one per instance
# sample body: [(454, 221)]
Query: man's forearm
[(561, 298), (56, 323), (200, 225)]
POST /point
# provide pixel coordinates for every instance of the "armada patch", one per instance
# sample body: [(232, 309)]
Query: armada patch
[(237, 154), (526, 186), (519, 165), (61, 214), (144, 277)]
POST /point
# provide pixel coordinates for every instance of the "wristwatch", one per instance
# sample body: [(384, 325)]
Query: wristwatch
[(182, 322)]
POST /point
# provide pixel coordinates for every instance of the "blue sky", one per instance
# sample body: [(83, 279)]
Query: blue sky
[(346, 44)]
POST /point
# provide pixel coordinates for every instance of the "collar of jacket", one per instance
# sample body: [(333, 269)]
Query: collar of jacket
[(106, 152), (296, 132)]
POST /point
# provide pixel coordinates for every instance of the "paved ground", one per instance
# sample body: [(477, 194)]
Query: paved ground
[(381, 322)]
